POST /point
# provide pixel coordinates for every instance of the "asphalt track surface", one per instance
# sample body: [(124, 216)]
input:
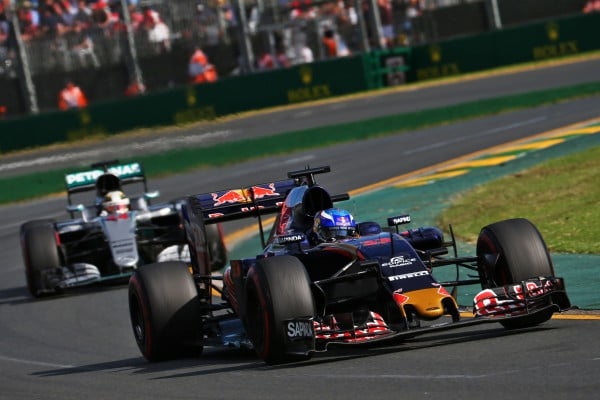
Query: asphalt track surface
[(81, 345), (308, 116)]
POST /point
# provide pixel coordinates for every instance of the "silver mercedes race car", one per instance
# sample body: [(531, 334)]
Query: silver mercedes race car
[(108, 239)]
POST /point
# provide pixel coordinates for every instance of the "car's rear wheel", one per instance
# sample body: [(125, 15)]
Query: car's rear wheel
[(521, 254), (277, 290), (165, 311), (40, 254)]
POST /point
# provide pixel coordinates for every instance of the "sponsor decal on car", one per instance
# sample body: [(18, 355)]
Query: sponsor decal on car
[(399, 261), (400, 298), (230, 196), (297, 329), (407, 276), (399, 220), (89, 177), (243, 195), (262, 191), (293, 238)]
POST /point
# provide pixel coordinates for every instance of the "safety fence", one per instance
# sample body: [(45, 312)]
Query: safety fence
[(112, 48), (307, 82)]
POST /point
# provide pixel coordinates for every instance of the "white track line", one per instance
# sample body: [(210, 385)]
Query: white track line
[(476, 135), (161, 144), (32, 362)]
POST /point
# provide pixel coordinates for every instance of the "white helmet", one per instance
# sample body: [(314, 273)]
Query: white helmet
[(115, 202)]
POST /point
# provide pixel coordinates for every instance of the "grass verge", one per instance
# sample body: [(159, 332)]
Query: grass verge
[(47, 182), (559, 196)]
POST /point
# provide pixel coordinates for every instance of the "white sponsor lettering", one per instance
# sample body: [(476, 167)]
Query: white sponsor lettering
[(404, 219), (399, 261), (125, 170), (407, 276), (291, 238), (83, 177), (300, 329), (87, 177)]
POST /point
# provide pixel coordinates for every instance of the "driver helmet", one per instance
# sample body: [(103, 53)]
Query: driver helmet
[(334, 224), (115, 202)]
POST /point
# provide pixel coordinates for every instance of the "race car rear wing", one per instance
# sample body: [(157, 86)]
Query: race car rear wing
[(86, 180), (229, 205), (256, 200), (240, 203)]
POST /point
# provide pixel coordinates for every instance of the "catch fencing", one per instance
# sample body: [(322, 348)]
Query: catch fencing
[(112, 46)]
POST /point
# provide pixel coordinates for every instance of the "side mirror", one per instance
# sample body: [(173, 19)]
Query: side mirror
[(75, 207), (152, 195), (368, 228)]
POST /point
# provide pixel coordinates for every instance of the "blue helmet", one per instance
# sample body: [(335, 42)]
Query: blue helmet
[(334, 224)]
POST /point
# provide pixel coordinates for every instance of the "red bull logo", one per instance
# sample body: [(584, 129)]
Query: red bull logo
[(343, 221), (230, 197), (244, 195), (260, 192), (400, 298)]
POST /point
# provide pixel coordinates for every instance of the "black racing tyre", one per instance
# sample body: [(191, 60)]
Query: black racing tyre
[(165, 311), (36, 222), (40, 253), (522, 254), (216, 247), (277, 289)]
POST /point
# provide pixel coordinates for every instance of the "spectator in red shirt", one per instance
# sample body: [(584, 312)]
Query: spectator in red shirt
[(330, 44), (101, 14), (71, 97), (592, 6), (4, 27), (199, 69), (28, 21), (137, 18), (135, 88)]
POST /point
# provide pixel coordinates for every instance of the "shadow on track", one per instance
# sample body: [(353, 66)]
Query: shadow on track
[(139, 365), (20, 295), (220, 360)]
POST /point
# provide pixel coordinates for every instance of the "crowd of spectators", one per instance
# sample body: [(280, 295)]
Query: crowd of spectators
[(67, 32), (591, 6), (340, 33), (73, 30), (52, 18), (4, 38)]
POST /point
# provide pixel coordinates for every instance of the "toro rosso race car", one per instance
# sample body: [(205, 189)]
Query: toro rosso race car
[(308, 290), (111, 237)]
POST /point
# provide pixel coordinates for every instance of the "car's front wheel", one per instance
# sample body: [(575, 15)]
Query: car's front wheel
[(40, 254), (520, 253), (277, 290)]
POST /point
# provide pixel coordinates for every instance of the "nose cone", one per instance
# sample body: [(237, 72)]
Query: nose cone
[(428, 304)]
